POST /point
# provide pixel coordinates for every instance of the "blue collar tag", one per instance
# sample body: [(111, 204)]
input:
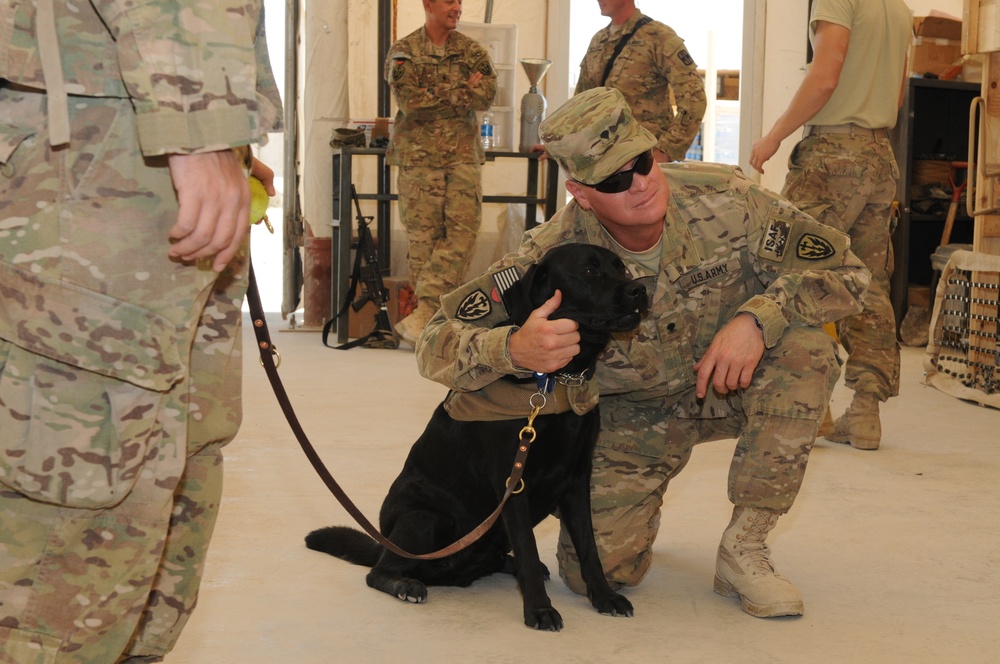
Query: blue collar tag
[(546, 383)]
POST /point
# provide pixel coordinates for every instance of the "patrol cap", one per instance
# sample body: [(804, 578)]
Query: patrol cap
[(594, 134)]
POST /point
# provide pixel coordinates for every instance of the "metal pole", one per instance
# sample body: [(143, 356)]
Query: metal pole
[(489, 12), (382, 174), (384, 39), (292, 222)]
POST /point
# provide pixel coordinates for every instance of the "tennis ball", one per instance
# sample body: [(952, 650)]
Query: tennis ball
[(258, 200)]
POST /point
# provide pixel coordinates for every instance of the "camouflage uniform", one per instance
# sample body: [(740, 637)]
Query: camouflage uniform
[(844, 173), (119, 368), (728, 246), (849, 183), (436, 144), (653, 63)]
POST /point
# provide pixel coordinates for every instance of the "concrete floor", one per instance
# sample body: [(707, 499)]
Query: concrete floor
[(897, 552)]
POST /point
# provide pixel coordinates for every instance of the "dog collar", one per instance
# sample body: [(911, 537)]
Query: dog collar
[(546, 382)]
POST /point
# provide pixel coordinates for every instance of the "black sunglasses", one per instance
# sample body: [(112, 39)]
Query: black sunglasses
[(622, 180)]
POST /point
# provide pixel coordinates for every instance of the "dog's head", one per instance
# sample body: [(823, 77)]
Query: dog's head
[(597, 293)]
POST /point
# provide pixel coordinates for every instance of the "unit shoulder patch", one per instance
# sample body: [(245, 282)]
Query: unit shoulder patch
[(475, 306), (814, 248)]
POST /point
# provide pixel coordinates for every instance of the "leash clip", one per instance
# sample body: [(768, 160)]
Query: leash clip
[(536, 407)]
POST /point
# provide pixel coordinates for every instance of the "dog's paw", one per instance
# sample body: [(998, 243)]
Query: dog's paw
[(545, 618), (613, 605), (411, 591), (408, 590)]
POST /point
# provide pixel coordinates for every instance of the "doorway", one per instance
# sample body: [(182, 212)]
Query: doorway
[(716, 46)]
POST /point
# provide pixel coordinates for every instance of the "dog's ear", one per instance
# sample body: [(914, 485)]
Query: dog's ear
[(528, 293)]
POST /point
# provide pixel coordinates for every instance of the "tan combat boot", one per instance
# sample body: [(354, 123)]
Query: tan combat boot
[(743, 568), (859, 426), (826, 426), (409, 328)]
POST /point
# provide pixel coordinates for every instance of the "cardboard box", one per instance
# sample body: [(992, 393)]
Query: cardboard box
[(400, 305), (918, 296), (729, 85), (937, 45)]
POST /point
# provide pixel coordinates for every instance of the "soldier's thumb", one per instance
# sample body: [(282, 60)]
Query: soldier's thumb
[(549, 306)]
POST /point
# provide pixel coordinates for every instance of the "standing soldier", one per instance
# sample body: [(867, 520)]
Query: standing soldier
[(646, 60), (844, 172), (440, 79), (124, 212)]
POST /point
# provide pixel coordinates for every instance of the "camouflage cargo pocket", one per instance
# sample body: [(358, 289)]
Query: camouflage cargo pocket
[(71, 437)]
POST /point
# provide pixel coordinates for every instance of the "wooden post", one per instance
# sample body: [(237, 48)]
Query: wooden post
[(984, 292)]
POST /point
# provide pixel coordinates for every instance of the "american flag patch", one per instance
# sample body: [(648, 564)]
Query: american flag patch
[(504, 279)]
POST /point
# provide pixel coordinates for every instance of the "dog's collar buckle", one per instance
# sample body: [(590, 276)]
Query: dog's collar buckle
[(573, 379), (547, 382)]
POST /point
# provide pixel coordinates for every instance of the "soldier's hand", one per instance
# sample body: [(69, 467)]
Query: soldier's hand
[(732, 357), (475, 79), (545, 345), (213, 196), (762, 150), (263, 172)]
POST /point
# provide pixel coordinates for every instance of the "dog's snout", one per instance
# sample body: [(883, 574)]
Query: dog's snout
[(637, 292)]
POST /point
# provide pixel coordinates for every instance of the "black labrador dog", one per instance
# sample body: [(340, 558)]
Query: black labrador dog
[(455, 473)]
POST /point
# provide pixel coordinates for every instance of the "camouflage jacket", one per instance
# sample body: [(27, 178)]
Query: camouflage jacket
[(728, 246), (436, 124), (197, 71), (653, 63)]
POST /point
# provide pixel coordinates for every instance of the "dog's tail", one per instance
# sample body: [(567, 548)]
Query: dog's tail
[(345, 543)]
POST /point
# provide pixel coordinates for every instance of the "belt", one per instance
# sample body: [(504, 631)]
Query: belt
[(852, 129)]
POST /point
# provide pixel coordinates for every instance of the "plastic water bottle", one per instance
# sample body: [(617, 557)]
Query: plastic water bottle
[(486, 131)]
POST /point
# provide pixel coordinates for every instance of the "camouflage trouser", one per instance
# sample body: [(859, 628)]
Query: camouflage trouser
[(116, 364), (849, 182), (644, 445), (441, 209)]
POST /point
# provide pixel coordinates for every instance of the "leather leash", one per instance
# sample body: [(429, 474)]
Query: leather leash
[(268, 352)]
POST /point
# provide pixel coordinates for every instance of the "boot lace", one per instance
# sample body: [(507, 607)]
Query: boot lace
[(753, 546)]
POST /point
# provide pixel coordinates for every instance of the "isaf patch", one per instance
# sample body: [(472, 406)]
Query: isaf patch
[(685, 57), (775, 240), (814, 248), (475, 306)]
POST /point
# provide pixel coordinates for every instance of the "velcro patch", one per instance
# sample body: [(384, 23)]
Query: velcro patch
[(685, 57), (814, 248), (505, 278), (712, 273), (398, 71), (475, 306), (775, 240), (484, 68)]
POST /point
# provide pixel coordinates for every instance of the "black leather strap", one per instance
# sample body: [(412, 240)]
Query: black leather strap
[(620, 46)]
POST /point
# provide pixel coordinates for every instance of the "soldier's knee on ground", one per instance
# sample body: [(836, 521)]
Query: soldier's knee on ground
[(625, 566)]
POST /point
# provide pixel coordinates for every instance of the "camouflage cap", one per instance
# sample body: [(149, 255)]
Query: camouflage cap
[(594, 134)]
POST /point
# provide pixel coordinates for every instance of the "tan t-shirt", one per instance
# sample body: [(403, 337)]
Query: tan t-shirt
[(868, 92)]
